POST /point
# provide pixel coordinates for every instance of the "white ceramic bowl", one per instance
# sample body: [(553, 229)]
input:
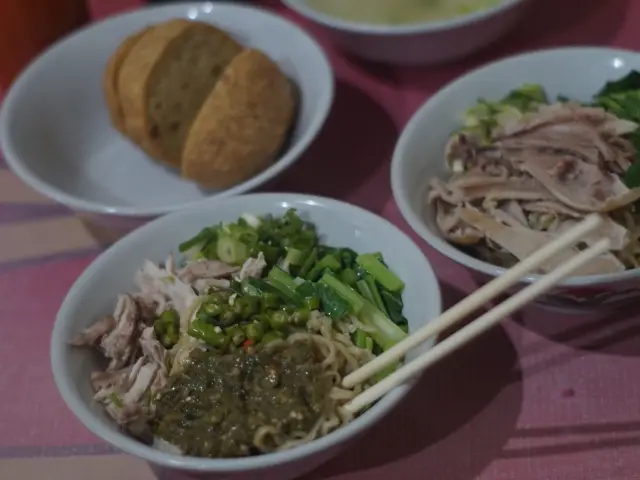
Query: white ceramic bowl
[(94, 293), (575, 72), (57, 137), (420, 43)]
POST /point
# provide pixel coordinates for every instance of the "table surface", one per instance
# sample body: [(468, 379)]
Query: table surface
[(541, 398)]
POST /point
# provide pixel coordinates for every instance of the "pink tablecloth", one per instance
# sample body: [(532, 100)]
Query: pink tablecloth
[(542, 398)]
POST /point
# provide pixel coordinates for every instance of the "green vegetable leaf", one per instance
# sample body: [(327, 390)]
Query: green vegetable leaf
[(331, 303), (257, 286), (394, 305), (307, 290), (632, 176), (631, 81), (486, 115), (349, 276), (625, 105), (634, 138), (527, 97), (612, 105), (206, 235), (347, 257), (116, 400), (380, 272), (330, 261)]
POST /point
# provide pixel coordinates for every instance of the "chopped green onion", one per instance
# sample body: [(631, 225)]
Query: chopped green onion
[(231, 250), (207, 234), (294, 256), (116, 400)]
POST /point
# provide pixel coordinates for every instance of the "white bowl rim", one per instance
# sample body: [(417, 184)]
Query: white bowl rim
[(444, 247), (293, 153), (127, 444), (302, 8)]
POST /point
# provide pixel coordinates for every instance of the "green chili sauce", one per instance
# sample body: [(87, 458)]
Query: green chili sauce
[(216, 405)]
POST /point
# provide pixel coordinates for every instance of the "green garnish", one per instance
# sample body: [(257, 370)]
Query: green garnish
[(384, 332), (301, 276), (632, 176), (631, 81), (116, 400)]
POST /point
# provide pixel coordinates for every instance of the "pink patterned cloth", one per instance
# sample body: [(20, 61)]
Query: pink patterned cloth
[(543, 398)]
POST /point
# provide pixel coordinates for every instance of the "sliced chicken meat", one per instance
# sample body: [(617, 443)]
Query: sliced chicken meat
[(514, 188), (125, 392), (138, 362), (578, 184), (587, 132), (128, 406), (152, 349), (577, 140), (506, 213), (567, 112), (454, 229), (522, 242), (159, 286), (208, 269), (252, 267), (618, 235), (538, 175), (552, 207), (119, 344), (204, 284), (104, 383), (92, 335), (516, 212)]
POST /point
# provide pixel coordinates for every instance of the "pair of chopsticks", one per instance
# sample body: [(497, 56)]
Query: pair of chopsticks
[(465, 307)]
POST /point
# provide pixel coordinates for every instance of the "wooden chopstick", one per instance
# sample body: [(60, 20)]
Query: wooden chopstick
[(474, 301), (478, 326)]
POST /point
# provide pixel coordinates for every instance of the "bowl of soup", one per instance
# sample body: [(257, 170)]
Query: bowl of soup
[(412, 32)]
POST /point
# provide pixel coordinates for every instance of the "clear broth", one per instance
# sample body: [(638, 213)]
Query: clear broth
[(395, 12)]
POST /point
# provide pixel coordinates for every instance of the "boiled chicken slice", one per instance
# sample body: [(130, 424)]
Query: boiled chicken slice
[(522, 242)]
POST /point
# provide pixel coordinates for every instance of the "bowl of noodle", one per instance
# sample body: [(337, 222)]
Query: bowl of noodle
[(213, 340), (509, 156)]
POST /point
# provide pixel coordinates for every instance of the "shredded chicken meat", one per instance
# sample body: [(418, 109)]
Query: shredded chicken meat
[(138, 363), (538, 175)]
